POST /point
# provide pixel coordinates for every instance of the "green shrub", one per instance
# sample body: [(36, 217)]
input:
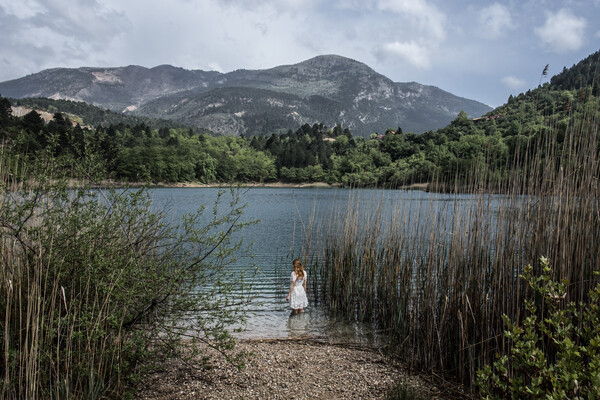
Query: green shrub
[(96, 284), (556, 356)]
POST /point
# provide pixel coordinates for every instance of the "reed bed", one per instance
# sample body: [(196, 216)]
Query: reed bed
[(95, 286), (438, 273), (62, 329)]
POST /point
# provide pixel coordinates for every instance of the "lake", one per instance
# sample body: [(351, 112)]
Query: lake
[(284, 215)]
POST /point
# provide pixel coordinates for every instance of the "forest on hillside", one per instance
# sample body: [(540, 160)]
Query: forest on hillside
[(138, 152)]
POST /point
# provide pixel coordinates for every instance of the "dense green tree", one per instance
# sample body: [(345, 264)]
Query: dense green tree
[(5, 112), (205, 168), (33, 122), (164, 133), (397, 146), (254, 166)]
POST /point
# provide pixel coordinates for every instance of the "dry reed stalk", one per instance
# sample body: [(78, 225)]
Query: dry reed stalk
[(439, 277), (43, 345)]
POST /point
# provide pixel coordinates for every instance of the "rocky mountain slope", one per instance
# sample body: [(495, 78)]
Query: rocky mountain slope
[(328, 89)]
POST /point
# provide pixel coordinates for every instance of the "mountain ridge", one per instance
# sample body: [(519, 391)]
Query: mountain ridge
[(327, 89)]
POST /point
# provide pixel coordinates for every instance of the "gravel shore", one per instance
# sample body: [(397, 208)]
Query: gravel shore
[(284, 369)]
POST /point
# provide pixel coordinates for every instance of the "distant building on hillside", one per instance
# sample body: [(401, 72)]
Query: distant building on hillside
[(487, 118)]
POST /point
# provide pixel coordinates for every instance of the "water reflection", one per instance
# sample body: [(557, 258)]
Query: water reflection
[(284, 215), (297, 324)]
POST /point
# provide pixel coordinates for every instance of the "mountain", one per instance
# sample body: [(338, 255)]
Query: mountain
[(112, 88), (328, 89)]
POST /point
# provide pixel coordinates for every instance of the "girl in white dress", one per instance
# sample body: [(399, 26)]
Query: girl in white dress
[(297, 294)]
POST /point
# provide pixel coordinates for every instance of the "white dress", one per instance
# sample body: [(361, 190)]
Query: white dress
[(298, 297)]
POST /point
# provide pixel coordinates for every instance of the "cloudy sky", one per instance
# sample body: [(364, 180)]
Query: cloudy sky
[(483, 50)]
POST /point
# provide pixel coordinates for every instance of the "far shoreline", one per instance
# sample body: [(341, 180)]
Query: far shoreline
[(106, 184)]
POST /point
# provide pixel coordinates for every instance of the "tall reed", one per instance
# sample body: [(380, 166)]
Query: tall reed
[(438, 274), (95, 284)]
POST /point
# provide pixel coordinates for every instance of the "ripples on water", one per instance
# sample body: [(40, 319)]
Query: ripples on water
[(284, 215)]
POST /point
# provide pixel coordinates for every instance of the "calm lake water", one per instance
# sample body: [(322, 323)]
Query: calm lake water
[(284, 215)]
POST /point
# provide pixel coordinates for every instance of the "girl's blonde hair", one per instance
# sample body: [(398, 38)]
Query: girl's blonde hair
[(298, 268)]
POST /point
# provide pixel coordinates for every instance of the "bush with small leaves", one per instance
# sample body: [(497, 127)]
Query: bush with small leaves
[(556, 356), (95, 285)]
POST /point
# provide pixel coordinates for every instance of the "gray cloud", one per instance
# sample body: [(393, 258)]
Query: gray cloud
[(56, 33), (410, 52), (513, 82), (429, 20), (435, 42), (562, 32), (495, 20)]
